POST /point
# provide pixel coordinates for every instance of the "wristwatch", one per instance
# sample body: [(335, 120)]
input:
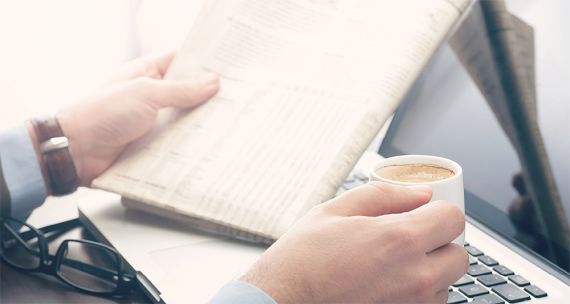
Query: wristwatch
[(54, 149)]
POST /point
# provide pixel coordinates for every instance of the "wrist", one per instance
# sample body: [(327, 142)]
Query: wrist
[(253, 279), (282, 290)]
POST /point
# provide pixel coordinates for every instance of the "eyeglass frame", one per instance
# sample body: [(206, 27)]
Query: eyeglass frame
[(51, 264)]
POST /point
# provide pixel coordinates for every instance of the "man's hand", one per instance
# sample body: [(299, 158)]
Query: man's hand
[(378, 243), (99, 128)]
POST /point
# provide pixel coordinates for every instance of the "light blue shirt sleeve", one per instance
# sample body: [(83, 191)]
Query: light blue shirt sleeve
[(22, 172), (241, 292)]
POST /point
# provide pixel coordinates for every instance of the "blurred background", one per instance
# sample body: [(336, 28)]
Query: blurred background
[(57, 51)]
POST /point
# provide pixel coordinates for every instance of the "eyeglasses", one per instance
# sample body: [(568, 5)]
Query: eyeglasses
[(87, 266)]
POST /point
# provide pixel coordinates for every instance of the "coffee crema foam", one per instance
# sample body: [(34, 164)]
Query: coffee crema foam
[(414, 173)]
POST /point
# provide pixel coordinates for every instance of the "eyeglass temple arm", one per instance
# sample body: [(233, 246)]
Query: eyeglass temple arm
[(100, 272), (69, 224), (26, 235), (139, 279), (22, 238)]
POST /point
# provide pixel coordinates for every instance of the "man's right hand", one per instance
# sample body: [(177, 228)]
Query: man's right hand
[(378, 243)]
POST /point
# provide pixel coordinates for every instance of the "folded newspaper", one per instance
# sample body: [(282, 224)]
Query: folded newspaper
[(305, 87)]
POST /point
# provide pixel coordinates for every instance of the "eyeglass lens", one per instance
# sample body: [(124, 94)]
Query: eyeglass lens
[(20, 245), (76, 267)]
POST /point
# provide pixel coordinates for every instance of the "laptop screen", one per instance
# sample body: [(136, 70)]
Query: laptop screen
[(445, 114)]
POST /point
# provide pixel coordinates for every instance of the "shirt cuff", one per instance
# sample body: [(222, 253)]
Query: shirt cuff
[(241, 292), (22, 172)]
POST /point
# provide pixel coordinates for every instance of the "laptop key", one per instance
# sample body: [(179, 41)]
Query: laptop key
[(474, 251), (464, 280), (487, 260), (491, 279), (503, 270), (465, 244), (511, 293), (477, 270), (455, 297), (519, 280), (472, 260), (535, 291), (488, 299), (473, 290)]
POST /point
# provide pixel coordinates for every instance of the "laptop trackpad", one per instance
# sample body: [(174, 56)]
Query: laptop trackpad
[(199, 270)]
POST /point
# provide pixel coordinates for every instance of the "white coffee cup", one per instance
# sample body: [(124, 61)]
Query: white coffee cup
[(448, 189)]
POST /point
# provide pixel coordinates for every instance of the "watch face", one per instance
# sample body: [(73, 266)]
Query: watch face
[(55, 143)]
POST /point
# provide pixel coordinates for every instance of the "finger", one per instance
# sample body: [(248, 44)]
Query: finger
[(438, 222), (153, 66), (450, 262), (378, 198), (183, 94), (161, 61)]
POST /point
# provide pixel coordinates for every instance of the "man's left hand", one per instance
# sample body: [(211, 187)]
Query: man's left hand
[(124, 110)]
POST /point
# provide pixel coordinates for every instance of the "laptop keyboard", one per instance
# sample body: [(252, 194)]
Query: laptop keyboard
[(489, 282), (486, 280)]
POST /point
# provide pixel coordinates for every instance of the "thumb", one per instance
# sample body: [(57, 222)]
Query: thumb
[(378, 198), (182, 94)]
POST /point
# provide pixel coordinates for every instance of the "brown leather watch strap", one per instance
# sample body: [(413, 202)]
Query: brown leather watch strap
[(59, 165), (5, 206)]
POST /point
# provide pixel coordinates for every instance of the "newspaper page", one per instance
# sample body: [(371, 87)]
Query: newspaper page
[(305, 87)]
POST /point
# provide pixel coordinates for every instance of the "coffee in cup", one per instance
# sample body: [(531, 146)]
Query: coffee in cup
[(443, 176), (414, 173)]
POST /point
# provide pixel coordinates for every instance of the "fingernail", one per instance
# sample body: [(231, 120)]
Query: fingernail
[(420, 188), (208, 78), (210, 89)]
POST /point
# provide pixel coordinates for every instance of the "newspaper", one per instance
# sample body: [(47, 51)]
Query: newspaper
[(305, 87)]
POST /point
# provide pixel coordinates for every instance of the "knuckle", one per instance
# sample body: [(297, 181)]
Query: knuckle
[(404, 237), (380, 188), (407, 235), (425, 283), (455, 217), (388, 190), (364, 223), (146, 67), (141, 82)]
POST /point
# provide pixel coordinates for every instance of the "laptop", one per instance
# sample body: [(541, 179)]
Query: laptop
[(444, 114), (503, 244)]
